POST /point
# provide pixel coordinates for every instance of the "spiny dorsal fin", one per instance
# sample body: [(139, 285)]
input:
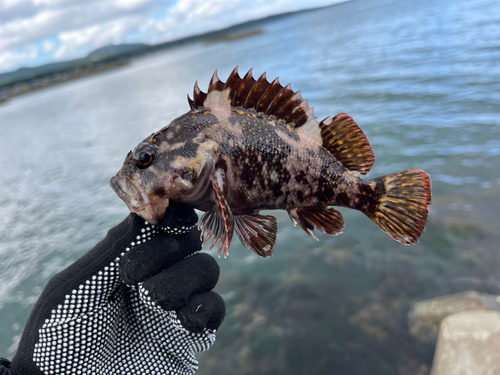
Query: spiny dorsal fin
[(341, 136), (270, 98), (347, 142)]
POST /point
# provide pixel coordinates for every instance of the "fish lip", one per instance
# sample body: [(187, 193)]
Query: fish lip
[(128, 193), (151, 211), (113, 182)]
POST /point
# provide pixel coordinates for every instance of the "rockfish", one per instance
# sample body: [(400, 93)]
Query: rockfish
[(249, 145)]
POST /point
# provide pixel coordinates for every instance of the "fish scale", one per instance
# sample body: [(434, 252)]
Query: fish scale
[(248, 145)]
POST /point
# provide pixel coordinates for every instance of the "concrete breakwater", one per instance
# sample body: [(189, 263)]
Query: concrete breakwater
[(467, 328)]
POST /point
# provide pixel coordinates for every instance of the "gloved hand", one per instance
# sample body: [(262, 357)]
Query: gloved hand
[(140, 302)]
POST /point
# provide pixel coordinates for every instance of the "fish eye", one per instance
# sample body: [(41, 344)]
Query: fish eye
[(145, 157)]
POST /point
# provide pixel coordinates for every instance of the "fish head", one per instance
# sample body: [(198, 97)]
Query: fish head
[(155, 173)]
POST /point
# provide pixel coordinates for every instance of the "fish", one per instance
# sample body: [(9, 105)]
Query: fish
[(248, 145)]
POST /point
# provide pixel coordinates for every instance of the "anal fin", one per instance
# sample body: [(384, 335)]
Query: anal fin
[(328, 220), (257, 233), (218, 222)]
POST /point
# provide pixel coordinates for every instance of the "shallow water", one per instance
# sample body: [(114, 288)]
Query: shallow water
[(422, 79)]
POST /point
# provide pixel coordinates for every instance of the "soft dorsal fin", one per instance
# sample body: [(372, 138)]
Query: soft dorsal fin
[(341, 136), (270, 98), (347, 142)]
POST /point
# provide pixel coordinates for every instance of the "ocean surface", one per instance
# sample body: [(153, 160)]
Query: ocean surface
[(421, 78)]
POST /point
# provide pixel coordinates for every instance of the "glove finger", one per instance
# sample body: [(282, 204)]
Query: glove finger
[(204, 310), (172, 288), (179, 216), (157, 254)]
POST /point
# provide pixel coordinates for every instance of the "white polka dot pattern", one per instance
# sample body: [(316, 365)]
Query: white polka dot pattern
[(105, 327)]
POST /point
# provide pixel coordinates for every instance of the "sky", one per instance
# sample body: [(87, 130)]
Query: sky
[(36, 32)]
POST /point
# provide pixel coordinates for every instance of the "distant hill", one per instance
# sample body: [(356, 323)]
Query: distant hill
[(104, 53), (23, 74), (113, 50)]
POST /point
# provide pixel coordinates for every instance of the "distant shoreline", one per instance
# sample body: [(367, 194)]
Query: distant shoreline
[(56, 78), (234, 36)]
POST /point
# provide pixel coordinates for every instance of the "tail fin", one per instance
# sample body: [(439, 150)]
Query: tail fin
[(402, 211)]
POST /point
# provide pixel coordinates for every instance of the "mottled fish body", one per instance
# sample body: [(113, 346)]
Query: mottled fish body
[(248, 145)]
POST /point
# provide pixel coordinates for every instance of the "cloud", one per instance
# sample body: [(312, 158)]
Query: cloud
[(48, 46), (50, 3), (64, 29), (13, 58), (84, 40), (129, 4), (41, 31), (8, 4), (24, 31), (188, 17)]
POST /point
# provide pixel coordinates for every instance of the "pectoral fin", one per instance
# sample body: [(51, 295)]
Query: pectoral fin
[(218, 221), (328, 220), (257, 233)]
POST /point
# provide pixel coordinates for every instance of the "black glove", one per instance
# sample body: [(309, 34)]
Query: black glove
[(139, 302)]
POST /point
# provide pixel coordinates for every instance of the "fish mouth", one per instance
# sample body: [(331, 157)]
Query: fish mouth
[(151, 210)]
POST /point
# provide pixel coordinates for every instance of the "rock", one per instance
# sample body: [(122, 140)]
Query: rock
[(468, 344), (370, 320), (425, 317)]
